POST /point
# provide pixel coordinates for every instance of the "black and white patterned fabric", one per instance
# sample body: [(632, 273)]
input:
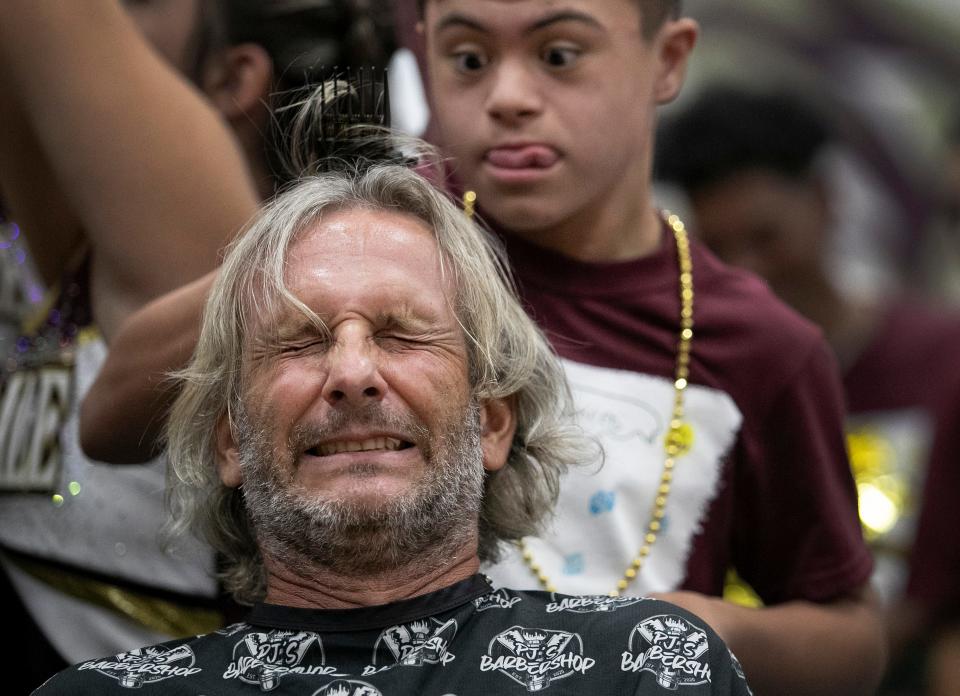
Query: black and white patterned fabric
[(465, 640)]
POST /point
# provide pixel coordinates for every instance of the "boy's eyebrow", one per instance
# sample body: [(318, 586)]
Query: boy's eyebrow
[(563, 16), (456, 19)]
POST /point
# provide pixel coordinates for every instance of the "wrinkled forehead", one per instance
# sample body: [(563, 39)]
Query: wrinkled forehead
[(351, 242), (370, 261)]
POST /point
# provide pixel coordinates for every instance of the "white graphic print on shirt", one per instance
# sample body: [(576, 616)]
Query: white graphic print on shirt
[(146, 665), (498, 599), (600, 522), (347, 687), (232, 629), (671, 648), (264, 659), (536, 657), (590, 604), (413, 644)]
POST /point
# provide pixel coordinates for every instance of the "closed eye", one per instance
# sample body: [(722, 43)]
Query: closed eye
[(398, 341), (314, 344)]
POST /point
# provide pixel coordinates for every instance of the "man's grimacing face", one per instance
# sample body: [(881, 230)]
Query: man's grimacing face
[(547, 107), (370, 434)]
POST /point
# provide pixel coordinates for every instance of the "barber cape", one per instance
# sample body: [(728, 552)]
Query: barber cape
[(464, 640)]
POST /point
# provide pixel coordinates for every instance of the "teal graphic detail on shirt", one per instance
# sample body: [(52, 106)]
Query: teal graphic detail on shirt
[(602, 501), (573, 564)]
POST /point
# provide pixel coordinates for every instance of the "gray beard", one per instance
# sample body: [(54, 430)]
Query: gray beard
[(427, 526)]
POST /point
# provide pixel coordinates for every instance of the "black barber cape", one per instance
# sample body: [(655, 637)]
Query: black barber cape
[(465, 640)]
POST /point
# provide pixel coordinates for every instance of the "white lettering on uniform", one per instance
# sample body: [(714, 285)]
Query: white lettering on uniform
[(31, 415)]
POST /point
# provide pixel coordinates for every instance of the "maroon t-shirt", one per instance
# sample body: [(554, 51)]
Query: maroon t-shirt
[(782, 509), (904, 400), (911, 361), (935, 561)]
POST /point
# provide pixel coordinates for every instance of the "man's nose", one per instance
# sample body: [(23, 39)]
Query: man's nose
[(353, 373), (513, 95)]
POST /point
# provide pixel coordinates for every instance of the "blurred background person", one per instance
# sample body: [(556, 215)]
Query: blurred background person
[(932, 608), (754, 166), (938, 270), (886, 74), (887, 71), (117, 170)]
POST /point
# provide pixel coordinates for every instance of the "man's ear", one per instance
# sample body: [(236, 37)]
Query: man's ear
[(228, 457), (239, 80), (674, 43), (498, 424)]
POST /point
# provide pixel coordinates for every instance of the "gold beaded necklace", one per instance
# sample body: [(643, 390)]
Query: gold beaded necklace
[(679, 434)]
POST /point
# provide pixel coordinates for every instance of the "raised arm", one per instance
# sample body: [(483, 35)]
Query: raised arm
[(25, 173), (123, 414), (152, 174)]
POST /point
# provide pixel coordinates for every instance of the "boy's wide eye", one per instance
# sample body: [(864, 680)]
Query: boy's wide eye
[(469, 61), (560, 56)]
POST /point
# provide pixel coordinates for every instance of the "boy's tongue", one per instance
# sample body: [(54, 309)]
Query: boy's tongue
[(525, 157)]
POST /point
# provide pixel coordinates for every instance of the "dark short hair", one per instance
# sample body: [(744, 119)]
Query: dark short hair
[(727, 131), (307, 39), (653, 13)]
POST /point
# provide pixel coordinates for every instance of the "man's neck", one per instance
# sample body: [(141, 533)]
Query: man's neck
[(622, 232), (326, 588)]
